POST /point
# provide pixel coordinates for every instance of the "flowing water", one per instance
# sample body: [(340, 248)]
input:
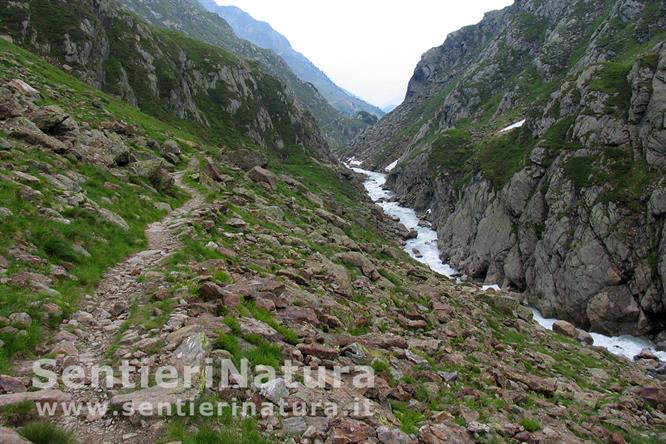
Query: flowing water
[(424, 249)]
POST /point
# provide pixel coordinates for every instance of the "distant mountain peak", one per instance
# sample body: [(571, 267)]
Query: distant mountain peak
[(263, 35)]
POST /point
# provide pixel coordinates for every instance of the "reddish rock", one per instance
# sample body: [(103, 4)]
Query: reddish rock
[(411, 323), (210, 291), (443, 433), (9, 436), (10, 384), (653, 395), (265, 303), (301, 314), (319, 351), (349, 431), (565, 329), (41, 396)]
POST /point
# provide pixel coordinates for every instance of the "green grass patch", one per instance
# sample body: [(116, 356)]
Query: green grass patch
[(502, 155), (40, 432)]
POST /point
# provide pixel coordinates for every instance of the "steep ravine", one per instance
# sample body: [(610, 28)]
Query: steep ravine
[(568, 208), (424, 249)]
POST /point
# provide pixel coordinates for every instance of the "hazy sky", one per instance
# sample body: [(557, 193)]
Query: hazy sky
[(369, 47)]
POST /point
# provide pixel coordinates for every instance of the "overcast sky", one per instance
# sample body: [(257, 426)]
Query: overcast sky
[(369, 47)]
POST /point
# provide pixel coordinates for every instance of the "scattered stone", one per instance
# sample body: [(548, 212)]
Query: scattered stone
[(5, 145), (274, 390), (655, 395), (387, 435), (25, 177), (5, 212), (24, 129), (22, 320), (320, 351), (263, 176), (113, 218), (10, 384), (565, 329)]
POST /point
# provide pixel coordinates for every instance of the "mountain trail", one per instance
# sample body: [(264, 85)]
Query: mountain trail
[(91, 332)]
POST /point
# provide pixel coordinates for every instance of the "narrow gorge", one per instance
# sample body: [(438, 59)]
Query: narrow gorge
[(568, 206)]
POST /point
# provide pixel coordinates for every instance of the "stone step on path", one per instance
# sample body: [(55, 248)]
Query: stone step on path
[(96, 326)]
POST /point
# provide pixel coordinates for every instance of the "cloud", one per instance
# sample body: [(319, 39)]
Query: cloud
[(369, 47)]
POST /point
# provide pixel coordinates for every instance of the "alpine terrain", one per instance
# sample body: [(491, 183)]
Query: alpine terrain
[(170, 204), (535, 141)]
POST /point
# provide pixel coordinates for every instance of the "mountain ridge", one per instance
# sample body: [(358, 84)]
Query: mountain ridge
[(262, 34), (191, 18)]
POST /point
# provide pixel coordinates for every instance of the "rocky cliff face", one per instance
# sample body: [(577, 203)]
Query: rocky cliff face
[(163, 73), (569, 207)]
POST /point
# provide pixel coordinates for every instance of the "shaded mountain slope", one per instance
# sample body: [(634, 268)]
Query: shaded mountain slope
[(164, 73), (192, 19)]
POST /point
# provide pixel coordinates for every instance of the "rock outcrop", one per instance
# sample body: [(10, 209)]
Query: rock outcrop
[(565, 205)]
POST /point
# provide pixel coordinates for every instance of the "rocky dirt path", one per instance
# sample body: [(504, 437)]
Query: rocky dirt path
[(87, 336)]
